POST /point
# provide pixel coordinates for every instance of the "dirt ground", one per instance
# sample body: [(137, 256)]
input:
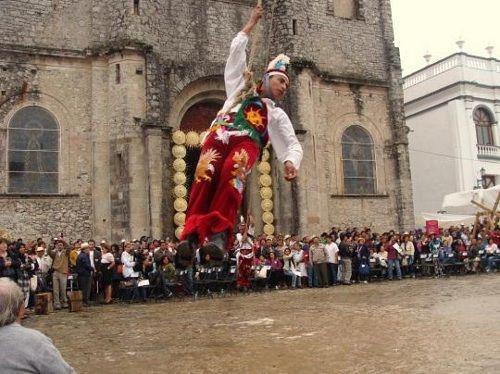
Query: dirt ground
[(413, 326)]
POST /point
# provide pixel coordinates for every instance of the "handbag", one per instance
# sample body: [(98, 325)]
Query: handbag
[(364, 269), (33, 283)]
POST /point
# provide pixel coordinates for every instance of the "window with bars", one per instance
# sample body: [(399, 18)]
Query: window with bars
[(33, 152), (484, 123), (358, 159)]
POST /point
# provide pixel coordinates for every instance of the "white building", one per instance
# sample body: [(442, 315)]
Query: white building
[(452, 109)]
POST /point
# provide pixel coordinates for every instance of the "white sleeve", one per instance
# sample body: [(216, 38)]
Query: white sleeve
[(283, 138), (236, 64)]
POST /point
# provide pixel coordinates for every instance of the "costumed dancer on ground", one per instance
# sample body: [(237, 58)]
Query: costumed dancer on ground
[(246, 123)]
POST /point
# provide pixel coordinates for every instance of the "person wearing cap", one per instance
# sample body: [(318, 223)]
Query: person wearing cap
[(44, 264), (243, 127), (60, 266)]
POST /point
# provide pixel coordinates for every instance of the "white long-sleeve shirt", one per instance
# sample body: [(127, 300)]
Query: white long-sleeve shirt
[(128, 265), (280, 128)]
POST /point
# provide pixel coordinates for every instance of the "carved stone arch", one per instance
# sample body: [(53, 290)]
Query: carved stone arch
[(207, 89)]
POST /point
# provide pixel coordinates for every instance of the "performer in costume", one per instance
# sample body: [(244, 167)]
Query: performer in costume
[(234, 142)]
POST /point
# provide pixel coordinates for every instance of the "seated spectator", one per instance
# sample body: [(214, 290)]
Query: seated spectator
[(276, 269), (24, 350), (131, 270), (493, 255), (472, 261)]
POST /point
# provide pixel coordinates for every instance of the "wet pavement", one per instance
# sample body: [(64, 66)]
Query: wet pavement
[(449, 325)]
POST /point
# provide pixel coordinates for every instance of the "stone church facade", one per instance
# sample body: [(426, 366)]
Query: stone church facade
[(91, 93)]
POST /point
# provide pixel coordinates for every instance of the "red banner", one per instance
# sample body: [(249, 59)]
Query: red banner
[(432, 227)]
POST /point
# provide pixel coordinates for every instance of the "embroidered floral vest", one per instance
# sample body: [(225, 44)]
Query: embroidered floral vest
[(252, 118)]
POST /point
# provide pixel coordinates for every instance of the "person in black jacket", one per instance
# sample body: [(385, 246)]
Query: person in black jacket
[(9, 262), (84, 271)]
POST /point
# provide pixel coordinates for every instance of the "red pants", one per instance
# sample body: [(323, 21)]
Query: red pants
[(217, 189)]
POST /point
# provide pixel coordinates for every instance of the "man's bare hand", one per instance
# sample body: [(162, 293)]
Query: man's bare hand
[(256, 15), (290, 171)]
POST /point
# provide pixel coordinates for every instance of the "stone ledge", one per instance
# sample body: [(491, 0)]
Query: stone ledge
[(38, 196), (376, 196)]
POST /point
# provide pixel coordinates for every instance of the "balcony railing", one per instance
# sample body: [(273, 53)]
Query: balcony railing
[(488, 151)]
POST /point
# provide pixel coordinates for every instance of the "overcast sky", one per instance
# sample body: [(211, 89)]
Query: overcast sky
[(436, 25)]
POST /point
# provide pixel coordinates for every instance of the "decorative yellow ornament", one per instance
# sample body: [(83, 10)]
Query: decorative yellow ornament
[(267, 205), (180, 190), (179, 178), (192, 139), (268, 217), (180, 218), (179, 151), (180, 204), (266, 193), (179, 165), (265, 180), (178, 231), (268, 229), (178, 137), (203, 135), (264, 167), (266, 155)]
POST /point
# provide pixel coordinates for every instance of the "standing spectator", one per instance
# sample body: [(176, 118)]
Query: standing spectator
[(319, 258), (332, 258), (44, 265), (345, 258), (84, 270), (363, 254), (95, 261), (60, 267), (25, 271), (289, 268), (392, 258), (409, 254), (129, 272), (24, 350), (107, 268), (8, 262)]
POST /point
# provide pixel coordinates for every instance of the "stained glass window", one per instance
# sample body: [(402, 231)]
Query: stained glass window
[(359, 161), (33, 152), (484, 122)]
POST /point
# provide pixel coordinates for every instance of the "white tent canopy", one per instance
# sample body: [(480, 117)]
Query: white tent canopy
[(460, 210), (463, 199)]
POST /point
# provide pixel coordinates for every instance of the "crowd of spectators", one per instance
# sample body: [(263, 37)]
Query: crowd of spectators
[(136, 269)]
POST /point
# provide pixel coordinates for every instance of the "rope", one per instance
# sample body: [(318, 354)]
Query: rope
[(250, 87)]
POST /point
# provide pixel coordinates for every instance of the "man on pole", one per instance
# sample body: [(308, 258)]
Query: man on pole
[(246, 123)]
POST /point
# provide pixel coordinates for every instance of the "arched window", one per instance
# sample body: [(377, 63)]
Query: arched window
[(33, 152), (358, 159), (484, 122)]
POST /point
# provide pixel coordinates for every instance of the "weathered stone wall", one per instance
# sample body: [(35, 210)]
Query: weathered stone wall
[(30, 218)]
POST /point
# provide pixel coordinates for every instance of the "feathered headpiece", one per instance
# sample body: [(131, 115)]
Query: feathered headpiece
[(278, 66)]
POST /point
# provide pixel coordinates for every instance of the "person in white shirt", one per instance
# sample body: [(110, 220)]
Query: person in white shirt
[(332, 258), (247, 121)]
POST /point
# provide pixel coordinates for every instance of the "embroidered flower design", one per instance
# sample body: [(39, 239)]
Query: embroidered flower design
[(205, 165), (240, 171)]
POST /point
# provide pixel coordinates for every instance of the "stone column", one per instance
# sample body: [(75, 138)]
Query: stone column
[(100, 151), (155, 151)]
